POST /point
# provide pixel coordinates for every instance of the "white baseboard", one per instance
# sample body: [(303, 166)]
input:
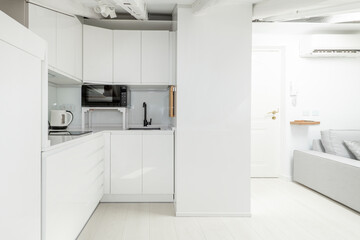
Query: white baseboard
[(286, 178), (137, 198), (213, 214)]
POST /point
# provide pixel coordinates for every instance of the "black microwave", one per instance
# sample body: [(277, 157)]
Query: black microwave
[(105, 96)]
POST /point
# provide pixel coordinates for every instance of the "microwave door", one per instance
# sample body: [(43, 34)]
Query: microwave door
[(99, 94), (103, 95)]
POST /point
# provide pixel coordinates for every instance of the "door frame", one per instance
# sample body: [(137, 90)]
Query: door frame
[(283, 119)]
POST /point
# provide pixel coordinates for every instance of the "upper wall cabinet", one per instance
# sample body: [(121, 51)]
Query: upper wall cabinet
[(127, 57), (155, 59), (69, 45), (142, 57), (173, 57), (63, 33), (98, 55), (43, 22)]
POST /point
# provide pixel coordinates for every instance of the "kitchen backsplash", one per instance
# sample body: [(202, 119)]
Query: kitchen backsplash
[(66, 98), (69, 98)]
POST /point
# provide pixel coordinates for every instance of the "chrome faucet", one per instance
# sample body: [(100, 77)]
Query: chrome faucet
[(146, 123)]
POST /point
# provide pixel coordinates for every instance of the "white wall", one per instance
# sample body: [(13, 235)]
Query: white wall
[(327, 87), (213, 123), (52, 98), (69, 98)]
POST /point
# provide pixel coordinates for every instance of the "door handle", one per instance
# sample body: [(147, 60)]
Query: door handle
[(274, 114)]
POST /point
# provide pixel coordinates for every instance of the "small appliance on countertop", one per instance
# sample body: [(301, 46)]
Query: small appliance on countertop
[(60, 119)]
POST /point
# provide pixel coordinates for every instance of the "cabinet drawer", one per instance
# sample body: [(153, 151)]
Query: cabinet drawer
[(73, 182)]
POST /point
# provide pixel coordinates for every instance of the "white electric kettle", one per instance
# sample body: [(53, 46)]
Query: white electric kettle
[(60, 119)]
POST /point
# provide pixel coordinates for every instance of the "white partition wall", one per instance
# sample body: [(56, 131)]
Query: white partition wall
[(213, 123)]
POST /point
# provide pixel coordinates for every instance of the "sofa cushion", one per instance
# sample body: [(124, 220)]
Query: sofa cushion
[(317, 146), (354, 147), (333, 141)]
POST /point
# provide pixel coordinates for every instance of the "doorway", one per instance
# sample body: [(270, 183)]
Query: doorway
[(267, 111)]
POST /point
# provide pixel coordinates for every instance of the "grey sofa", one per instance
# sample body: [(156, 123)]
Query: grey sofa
[(334, 176)]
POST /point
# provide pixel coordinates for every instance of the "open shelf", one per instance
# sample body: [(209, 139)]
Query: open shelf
[(89, 110), (304, 122)]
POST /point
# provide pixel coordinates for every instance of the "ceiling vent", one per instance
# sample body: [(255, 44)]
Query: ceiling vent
[(325, 45), (137, 8)]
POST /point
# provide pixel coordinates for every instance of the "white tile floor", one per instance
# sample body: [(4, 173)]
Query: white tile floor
[(281, 211)]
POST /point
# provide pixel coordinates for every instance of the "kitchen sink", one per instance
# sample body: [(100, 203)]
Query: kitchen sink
[(145, 128)]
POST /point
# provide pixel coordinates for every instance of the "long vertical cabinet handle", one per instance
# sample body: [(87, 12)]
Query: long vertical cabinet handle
[(172, 101)]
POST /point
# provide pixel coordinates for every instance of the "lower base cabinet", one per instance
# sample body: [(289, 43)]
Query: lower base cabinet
[(126, 164), (158, 164), (73, 182), (141, 169), (142, 163)]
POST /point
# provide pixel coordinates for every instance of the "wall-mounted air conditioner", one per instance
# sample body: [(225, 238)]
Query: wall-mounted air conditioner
[(330, 45)]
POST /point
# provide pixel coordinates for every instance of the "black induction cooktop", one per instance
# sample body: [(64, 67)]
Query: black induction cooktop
[(68, 133)]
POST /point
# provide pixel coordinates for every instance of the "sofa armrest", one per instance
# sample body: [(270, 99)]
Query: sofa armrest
[(334, 176), (330, 157)]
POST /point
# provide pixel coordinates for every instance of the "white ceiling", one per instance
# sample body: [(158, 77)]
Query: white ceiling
[(303, 8), (86, 7), (263, 9), (157, 6)]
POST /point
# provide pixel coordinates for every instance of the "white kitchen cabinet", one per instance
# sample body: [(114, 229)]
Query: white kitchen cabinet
[(42, 21), (173, 58), (126, 163), (142, 166), (107, 163), (69, 45), (22, 60), (72, 185), (155, 60), (98, 55), (127, 57), (158, 164), (63, 34)]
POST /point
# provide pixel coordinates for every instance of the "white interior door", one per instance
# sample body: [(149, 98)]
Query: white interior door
[(265, 126)]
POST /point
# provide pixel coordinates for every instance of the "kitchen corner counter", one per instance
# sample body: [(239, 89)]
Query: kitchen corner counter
[(63, 142)]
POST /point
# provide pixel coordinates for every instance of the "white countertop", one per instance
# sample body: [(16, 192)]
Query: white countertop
[(63, 141)]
